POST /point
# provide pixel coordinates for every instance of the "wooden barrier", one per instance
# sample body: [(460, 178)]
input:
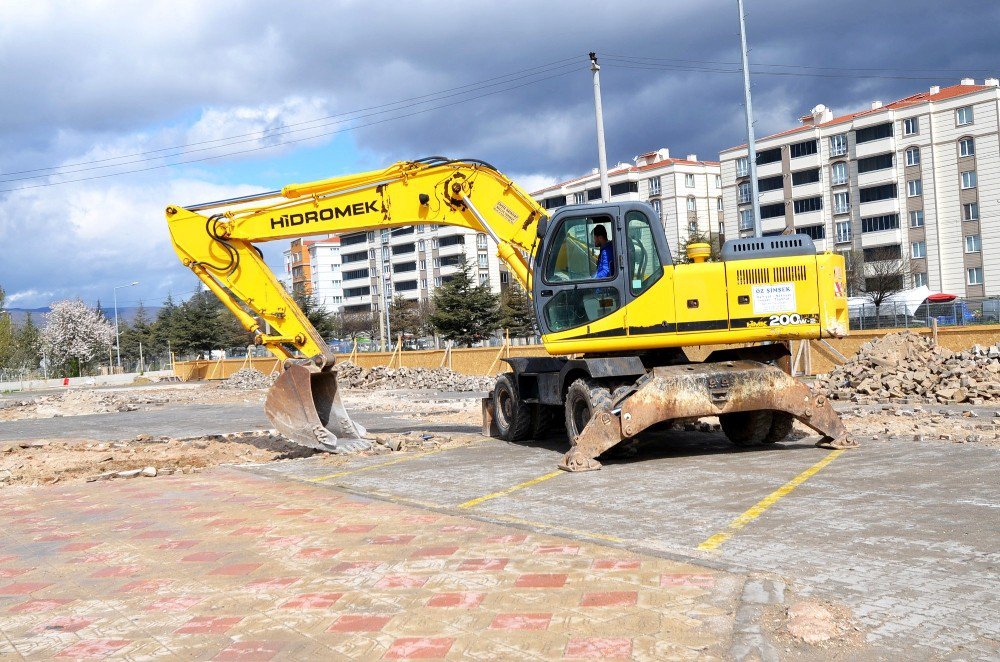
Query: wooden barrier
[(815, 356)]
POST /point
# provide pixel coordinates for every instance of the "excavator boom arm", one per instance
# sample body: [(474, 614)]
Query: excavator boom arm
[(216, 240)]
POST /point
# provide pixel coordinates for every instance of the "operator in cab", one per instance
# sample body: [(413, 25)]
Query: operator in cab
[(606, 260)]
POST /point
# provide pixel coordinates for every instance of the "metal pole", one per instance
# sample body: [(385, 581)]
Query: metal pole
[(602, 155), (118, 344), (748, 108)]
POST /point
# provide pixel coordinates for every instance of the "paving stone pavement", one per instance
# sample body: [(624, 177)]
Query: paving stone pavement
[(229, 565)]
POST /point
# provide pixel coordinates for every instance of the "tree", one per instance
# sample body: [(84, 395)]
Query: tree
[(164, 338), (402, 317), (203, 323), (74, 335), (6, 332), (356, 325), (27, 346), (516, 314), (425, 309), (465, 313), (885, 271), (135, 335), (322, 320)]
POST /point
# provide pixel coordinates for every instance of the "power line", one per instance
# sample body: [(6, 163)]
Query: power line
[(287, 142), (256, 135), (755, 71), (802, 66)]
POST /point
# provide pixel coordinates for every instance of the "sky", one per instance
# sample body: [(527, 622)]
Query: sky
[(113, 110)]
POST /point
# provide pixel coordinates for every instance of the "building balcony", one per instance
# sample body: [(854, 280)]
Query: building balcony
[(769, 169), (772, 197), (873, 147), (808, 218), (772, 224), (880, 207), (883, 176), (808, 190), (803, 162), (882, 238)]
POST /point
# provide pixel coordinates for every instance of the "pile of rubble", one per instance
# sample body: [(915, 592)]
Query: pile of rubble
[(908, 368), (381, 378), (248, 379)]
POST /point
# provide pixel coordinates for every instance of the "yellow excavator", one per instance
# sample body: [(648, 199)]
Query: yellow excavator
[(614, 306)]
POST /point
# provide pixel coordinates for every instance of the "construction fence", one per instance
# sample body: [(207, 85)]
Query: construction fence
[(808, 357)]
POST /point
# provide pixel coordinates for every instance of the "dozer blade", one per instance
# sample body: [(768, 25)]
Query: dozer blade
[(304, 405), (704, 389)]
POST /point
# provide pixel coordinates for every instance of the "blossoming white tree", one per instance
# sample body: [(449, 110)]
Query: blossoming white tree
[(74, 334)]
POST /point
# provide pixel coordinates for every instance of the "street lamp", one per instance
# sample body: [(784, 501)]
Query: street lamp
[(118, 346)]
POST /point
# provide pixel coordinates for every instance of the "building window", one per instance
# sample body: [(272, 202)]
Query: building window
[(742, 166), (914, 187), (877, 132), (656, 207), (813, 231), (772, 211), (437, 281), (802, 149), (805, 177), (843, 231), (918, 249), (876, 193), (692, 226), (919, 279), (484, 278), (718, 181), (838, 173), (807, 205), (913, 156), (877, 162), (917, 218), (842, 202), (423, 265), (371, 255), (772, 155), (692, 204), (689, 180), (911, 126), (423, 283), (420, 245), (972, 243), (579, 198), (483, 261), (437, 263), (970, 211), (967, 147), (718, 204), (621, 188), (744, 192), (838, 145), (880, 223), (654, 186), (481, 241), (969, 179), (746, 219), (770, 184), (882, 253), (963, 116), (974, 275)]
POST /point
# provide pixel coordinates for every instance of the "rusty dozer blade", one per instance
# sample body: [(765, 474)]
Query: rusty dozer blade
[(304, 405), (704, 389)]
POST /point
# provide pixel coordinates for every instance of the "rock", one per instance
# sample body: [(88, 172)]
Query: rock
[(5, 475), (107, 475), (131, 473), (149, 472), (249, 379), (811, 622)]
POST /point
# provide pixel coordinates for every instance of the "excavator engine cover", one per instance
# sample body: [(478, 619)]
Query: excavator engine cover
[(304, 405)]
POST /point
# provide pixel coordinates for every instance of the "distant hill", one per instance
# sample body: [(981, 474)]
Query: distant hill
[(125, 313)]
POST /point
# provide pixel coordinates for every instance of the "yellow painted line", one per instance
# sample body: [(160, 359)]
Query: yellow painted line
[(758, 508), (520, 486), (372, 467)]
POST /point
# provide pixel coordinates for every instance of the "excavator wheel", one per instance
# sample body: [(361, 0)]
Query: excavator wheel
[(583, 398), (747, 428), (546, 421), (781, 426), (511, 414)]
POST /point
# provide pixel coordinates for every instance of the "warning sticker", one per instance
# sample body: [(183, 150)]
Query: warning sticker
[(777, 298)]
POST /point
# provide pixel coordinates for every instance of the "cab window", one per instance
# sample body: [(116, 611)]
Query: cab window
[(582, 249), (644, 261)]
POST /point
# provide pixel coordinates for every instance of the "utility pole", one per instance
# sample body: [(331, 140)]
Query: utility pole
[(602, 155), (748, 108)]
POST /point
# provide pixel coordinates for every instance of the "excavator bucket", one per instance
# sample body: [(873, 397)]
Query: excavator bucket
[(304, 405), (743, 394)]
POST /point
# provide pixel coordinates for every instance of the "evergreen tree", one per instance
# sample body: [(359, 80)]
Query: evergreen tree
[(402, 317), (195, 325), (464, 312), (516, 314), (99, 310), (27, 346), (163, 327), (138, 333), (6, 333), (322, 320)]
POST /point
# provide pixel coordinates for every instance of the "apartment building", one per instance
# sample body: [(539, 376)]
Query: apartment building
[(326, 278), (918, 177), (298, 268), (412, 262), (686, 193)]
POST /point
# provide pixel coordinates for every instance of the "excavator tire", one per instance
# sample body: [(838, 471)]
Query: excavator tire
[(747, 428), (583, 398), (511, 414), (781, 426)]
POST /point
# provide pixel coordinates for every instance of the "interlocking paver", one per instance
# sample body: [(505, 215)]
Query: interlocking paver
[(275, 570)]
